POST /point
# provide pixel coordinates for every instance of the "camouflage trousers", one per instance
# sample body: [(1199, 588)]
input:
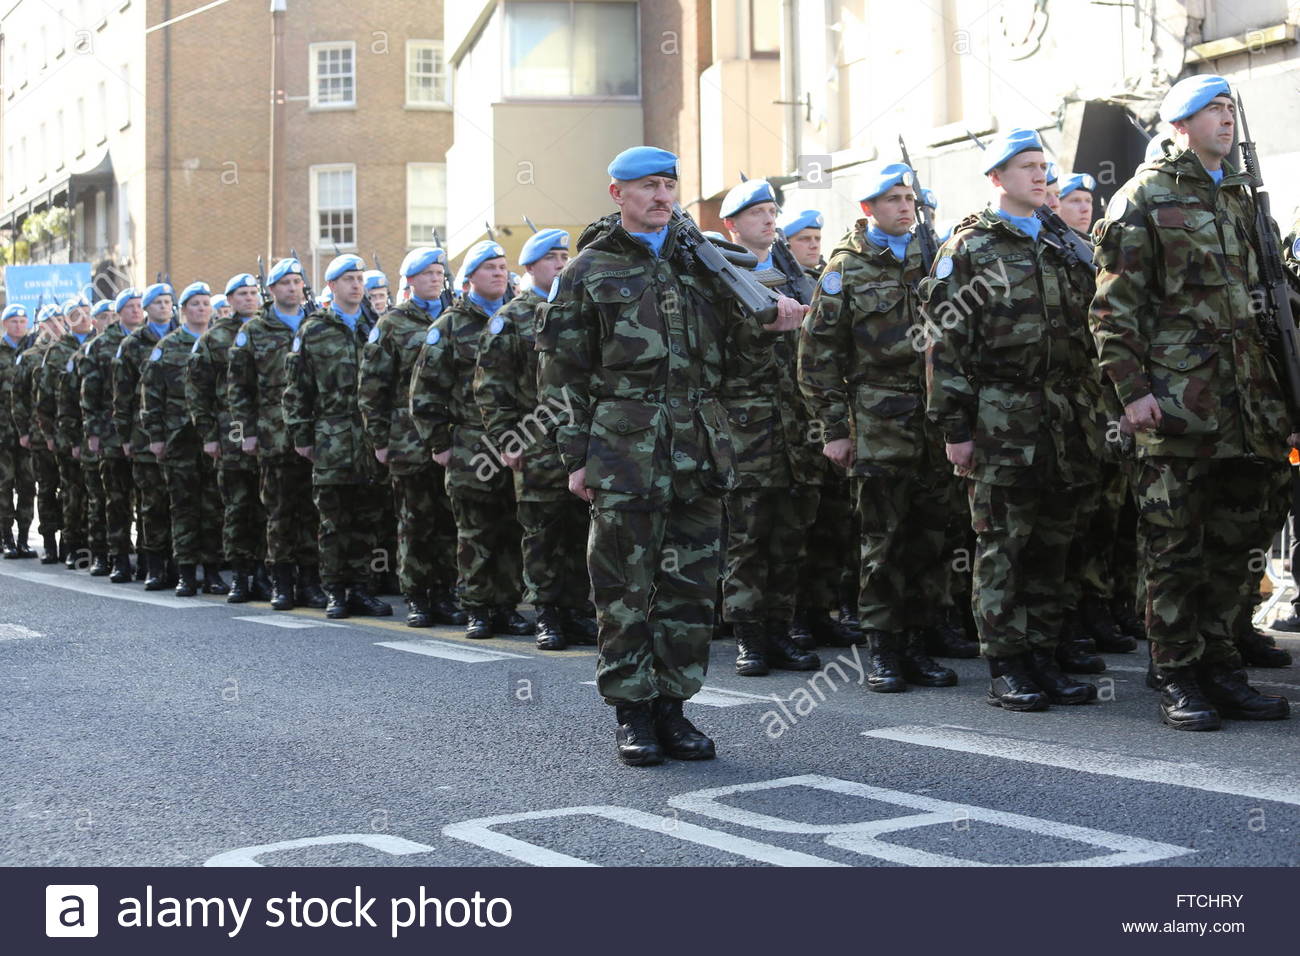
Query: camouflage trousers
[(387, 545), (654, 573), (488, 555), (195, 508), (96, 516), (1022, 547), (49, 509), (155, 529), (349, 516), (554, 546), (958, 545), (243, 520), (1198, 531), (115, 482), (72, 499), (903, 519), (767, 540), (1276, 506), (292, 521), (17, 485), (829, 570), (426, 530), (1098, 559)]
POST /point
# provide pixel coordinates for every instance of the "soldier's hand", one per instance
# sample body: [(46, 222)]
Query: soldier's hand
[(442, 457), (961, 454), (381, 455), (25, 441), (578, 484), (212, 449), (76, 452), (1143, 413), (513, 462), (307, 451), (839, 451), (92, 443), (158, 449), (49, 443), (789, 313), (249, 445)]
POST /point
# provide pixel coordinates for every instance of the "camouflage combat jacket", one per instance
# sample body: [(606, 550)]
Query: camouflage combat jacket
[(386, 364), (164, 412), (27, 366), (9, 368), (95, 372), (255, 379), (1006, 364), (69, 421), (128, 364), (56, 363), (206, 384), (1174, 318)]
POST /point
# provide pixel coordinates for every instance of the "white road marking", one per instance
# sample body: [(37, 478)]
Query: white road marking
[(247, 855), (480, 833), (863, 836), (81, 585), (449, 651), (285, 621), (16, 632), (1279, 788), (719, 697), (1254, 678)]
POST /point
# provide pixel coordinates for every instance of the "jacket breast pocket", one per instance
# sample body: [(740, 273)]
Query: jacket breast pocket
[(881, 324), (1182, 380), (623, 448), (632, 330), (887, 427), (1007, 425), (1190, 251)]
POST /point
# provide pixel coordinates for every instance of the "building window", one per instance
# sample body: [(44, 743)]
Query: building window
[(101, 222), (333, 75), (765, 27), (557, 50), (60, 143), (426, 73), (43, 163), (24, 161), (334, 205), (101, 121), (81, 126), (125, 106), (426, 202)]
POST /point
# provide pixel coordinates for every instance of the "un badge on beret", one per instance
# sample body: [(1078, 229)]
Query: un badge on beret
[(944, 268), (241, 340), (832, 283), (496, 325), (155, 355), (373, 337), (434, 336)]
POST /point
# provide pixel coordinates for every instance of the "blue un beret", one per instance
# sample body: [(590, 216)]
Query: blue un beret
[(928, 198), (640, 161), (375, 280), (245, 280), (123, 297), (419, 259), (749, 193), (1187, 96), (1053, 174), (540, 243), (1078, 181), (480, 253), (102, 306), (12, 310), (283, 268), (76, 302), (219, 302), (794, 222), (152, 292), (193, 289), (47, 313), (339, 265), (1011, 143), (880, 179)]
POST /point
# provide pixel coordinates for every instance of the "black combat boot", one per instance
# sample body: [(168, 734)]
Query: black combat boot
[(506, 620), (783, 654), (1121, 609), (141, 564), (1229, 690), (213, 583), (100, 568), (241, 590), (827, 632), (638, 745), (801, 631), (1183, 704), (550, 629), (579, 626), (188, 584), (1099, 625), (23, 548), (849, 617), (261, 588), (1051, 681), (1257, 649), (361, 601), (1012, 686), (478, 623), (418, 612), (282, 589), (679, 738), (122, 571), (884, 669), (68, 549), (7, 543), (157, 572), (751, 648), (336, 602), (918, 667), (948, 638), (1075, 652), (51, 555), (309, 592), (172, 572), (445, 608)]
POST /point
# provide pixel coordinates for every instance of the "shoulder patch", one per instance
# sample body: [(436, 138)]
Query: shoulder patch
[(155, 355), (434, 336), (943, 268), (373, 337), (496, 325), (241, 339), (832, 283), (1295, 248), (297, 343), (1116, 208)]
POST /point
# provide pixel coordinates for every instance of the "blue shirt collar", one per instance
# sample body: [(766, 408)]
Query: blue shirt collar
[(432, 306), (895, 244), (349, 320), (293, 321), (655, 240), (13, 343), (160, 328), (490, 307), (765, 264), (81, 337), (1216, 174), (1029, 225)]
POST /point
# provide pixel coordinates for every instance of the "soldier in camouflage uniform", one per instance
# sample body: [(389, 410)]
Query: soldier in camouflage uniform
[(554, 521), (102, 440), (778, 468), (146, 472), (861, 369), (49, 510), (426, 532), (451, 425), (17, 482), (322, 373), (636, 343), (254, 397), (1181, 342), (1004, 367), (194, 504), (243, 520)]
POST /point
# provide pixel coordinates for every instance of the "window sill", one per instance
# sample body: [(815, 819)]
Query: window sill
[(126, 4), (101, 24), (80, 154), (574, 100), (428, 107), (331, 246), (102, 141), (332, 108), (126, 125)]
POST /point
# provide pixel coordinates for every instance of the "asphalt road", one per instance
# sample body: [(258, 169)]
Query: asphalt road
[(141, 729)]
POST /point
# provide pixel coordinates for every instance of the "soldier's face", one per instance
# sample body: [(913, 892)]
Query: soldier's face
[(197, 311), (894, 210), (1054, 197), (103, 320), (132, 314), (288, 292), (1210, 130), (545, 269), (378, 300), (1023, 180), (1076, 210), (16, 326), (491, 278), (160, 309), (646, 203), (807, 247), (755, 227), (348, 290), (244, 300), (79, 320), (427, 284)]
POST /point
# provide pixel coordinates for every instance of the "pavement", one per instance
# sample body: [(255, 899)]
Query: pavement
[(144, 729)]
